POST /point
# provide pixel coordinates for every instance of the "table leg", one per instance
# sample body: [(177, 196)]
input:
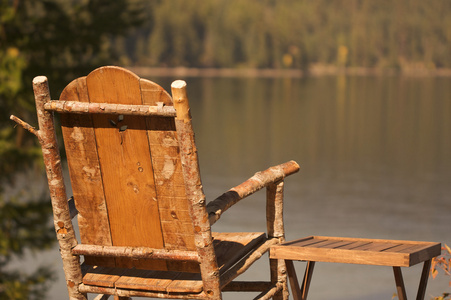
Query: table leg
[(424, 280), (307, 279), (399, 283), (299, 293), (292, 277)]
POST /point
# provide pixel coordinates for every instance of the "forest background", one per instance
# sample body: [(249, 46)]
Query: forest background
[(66, 39)]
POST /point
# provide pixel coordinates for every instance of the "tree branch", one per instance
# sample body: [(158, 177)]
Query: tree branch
[(25, 125)]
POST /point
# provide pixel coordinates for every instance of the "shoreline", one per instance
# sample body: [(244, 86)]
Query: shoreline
[(290, 73)]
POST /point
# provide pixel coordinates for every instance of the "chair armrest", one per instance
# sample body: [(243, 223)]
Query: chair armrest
[(260, 180)]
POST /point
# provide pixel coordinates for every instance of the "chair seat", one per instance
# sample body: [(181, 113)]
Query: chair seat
[(229, 247), (357, 251)]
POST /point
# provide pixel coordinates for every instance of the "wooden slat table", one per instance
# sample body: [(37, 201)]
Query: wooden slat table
[(392, 253)]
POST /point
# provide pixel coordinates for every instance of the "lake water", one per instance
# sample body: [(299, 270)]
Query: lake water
[(375, 156)]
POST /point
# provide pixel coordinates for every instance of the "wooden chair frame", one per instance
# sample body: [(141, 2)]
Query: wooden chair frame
[(203, 215)]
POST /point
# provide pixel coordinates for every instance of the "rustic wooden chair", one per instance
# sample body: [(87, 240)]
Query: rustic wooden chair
[(144, 224)]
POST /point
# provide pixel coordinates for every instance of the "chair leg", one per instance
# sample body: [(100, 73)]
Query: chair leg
[(424, 280), (278, 274), (399, 283)]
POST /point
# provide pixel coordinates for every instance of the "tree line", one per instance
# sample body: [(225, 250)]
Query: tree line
[(292, 34)]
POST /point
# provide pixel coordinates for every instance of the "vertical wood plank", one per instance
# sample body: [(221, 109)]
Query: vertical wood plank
[(176, 223), (125, 163), (84, 171)]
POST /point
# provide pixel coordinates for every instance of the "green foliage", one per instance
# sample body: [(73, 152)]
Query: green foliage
[(11, 66), (294, 34), (14, 285), (56, 38), (62, 40), (24, 225)]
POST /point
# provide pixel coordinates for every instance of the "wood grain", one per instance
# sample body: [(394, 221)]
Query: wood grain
[(126, 167), (84, 171), (176, 222), (357, 251)]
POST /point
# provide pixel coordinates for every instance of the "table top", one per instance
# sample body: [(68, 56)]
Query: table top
[(357, 251)]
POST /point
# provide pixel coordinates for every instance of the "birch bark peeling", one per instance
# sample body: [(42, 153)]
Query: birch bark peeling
[(272, 293), (180, 99), (194, 192), (274, 210), (135, 252), (25, 125), (61, 214), (138, 293), (260, 180), (275, 228), (76, 107)]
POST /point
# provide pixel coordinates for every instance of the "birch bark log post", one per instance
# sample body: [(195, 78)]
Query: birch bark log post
[(61, 214), (194, 192)]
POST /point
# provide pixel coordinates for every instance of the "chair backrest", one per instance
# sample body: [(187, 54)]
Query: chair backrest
[(126, 170)]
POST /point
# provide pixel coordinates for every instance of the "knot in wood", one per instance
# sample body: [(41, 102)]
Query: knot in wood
[(62, 231), (199, 244), (215, 274), (70, 283)]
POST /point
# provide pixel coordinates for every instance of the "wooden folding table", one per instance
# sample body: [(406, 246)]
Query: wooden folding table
[(392, 253)]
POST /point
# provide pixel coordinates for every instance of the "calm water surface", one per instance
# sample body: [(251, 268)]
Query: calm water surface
[(375, 162)]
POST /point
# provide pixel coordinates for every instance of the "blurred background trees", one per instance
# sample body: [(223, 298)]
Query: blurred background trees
[(293, 34), (64, 39)]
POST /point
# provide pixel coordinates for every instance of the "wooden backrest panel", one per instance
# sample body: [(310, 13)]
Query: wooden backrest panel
[(84, 170), (174, 212), (125, 170)]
